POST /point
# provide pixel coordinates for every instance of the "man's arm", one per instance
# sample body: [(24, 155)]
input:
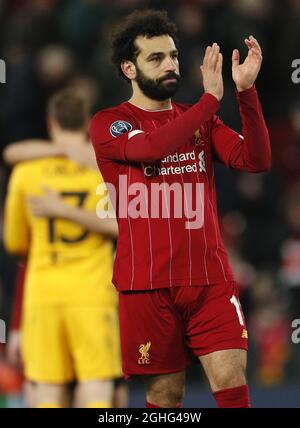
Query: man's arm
[(84, 155), (29, 150), (139, 146), (16, 227), (36, 149), (250, 152), (89, 220), (53, 205)]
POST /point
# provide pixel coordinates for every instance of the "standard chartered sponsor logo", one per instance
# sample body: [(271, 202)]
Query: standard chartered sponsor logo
[(179, 157), (154, 170)]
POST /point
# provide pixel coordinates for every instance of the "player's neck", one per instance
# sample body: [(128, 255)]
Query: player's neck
[(67, 138), (140, 100)]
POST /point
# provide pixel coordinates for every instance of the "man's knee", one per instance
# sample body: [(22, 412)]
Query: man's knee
[(166, 397), (225, 369), (95, 393), (165, 390), (224, 379), (51, 395)]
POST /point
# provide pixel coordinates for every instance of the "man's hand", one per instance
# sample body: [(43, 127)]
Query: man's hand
[(82, 154), (245, 74), (49, 205), (212, 71)]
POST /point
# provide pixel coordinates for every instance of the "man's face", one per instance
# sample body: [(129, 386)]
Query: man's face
[(157, 68)]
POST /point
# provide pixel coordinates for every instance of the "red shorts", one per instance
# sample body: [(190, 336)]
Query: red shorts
[(162, 330)]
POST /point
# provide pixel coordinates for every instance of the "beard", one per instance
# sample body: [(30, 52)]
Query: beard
[(157, 89)]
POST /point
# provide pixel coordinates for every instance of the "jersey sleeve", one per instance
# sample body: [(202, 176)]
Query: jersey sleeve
[(248, 152), (109, 135), (16, 227), (224, 140), (118, 139)]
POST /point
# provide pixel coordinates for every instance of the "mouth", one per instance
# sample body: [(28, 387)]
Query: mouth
[(171, 80)]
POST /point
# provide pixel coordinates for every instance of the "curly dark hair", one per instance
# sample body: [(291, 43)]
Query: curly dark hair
[(149, 23)]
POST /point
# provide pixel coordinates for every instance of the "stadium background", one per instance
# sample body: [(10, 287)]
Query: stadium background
[(48, 44)]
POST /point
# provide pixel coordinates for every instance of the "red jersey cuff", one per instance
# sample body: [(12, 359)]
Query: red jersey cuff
[(247, 92), (211, 101)]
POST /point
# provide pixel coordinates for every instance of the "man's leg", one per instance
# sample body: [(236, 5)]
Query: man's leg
[(225, 371), (121, 394), (45, 356), (51, 395), (153, 347), (216, 333), (29, 393), (165, 390), (95, 394), (94, 343)]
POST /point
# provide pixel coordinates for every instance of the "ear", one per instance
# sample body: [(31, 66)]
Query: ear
[(129, 69)]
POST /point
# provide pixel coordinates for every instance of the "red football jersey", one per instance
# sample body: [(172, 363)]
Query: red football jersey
[(161, 166)]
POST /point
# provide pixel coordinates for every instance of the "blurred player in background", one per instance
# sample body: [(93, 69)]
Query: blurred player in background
[(175, 283), (13, 347), (69, 321)]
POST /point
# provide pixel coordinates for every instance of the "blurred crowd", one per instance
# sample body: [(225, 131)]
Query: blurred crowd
[(50, 44)]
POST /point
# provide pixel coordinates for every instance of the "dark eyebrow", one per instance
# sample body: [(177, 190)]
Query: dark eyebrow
[(174, 51)]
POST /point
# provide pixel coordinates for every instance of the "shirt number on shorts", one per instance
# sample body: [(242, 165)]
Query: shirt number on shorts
[(238, 308)]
